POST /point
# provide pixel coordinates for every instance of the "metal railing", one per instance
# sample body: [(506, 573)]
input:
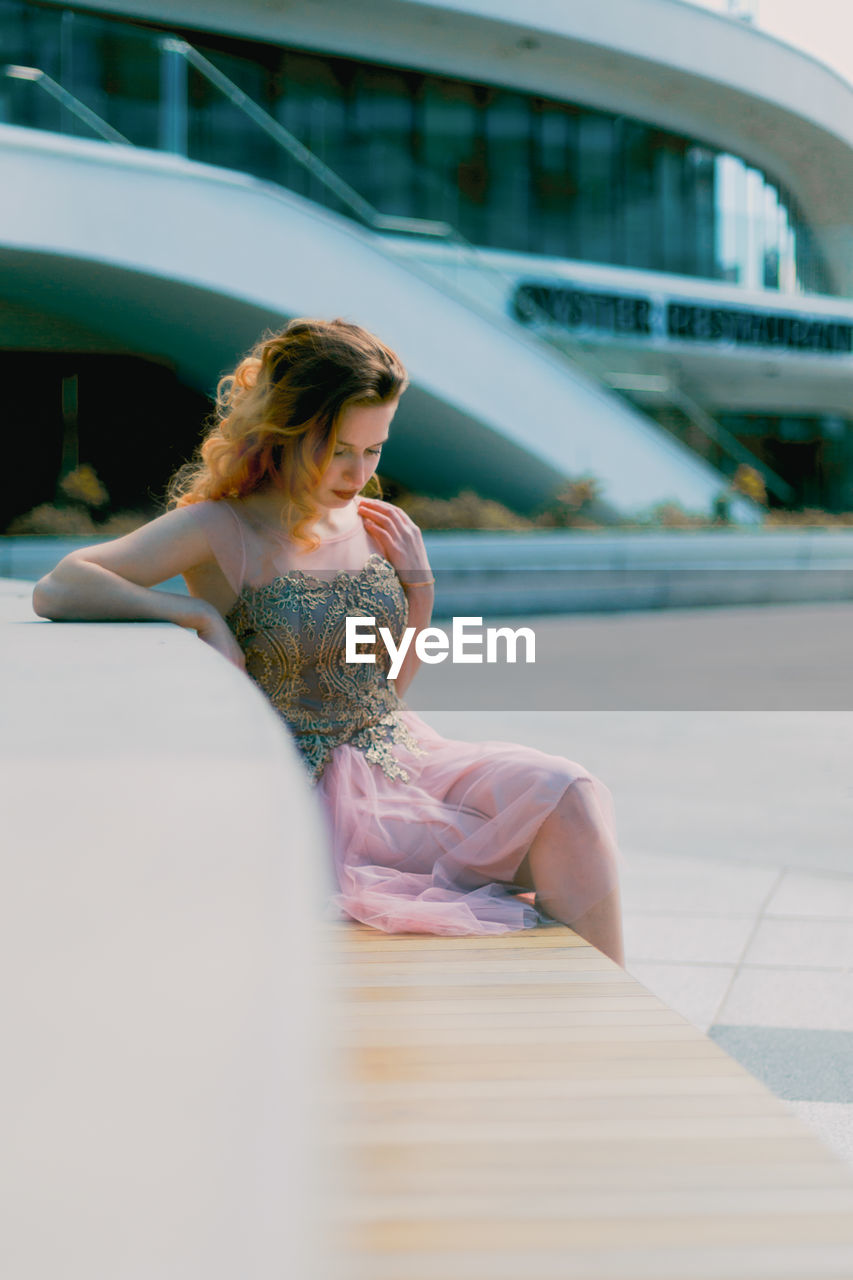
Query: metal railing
[(674, 396), (67, 100), (347, 195)]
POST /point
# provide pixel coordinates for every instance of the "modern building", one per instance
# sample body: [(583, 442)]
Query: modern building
[(610, 239)]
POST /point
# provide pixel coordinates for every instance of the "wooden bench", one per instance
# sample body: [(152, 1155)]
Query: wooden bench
[(520, 1108)]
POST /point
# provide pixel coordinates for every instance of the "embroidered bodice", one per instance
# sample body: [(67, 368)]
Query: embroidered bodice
[(292, 630)]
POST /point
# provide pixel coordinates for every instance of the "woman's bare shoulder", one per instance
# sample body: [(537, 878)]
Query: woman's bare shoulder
[(178, 540)]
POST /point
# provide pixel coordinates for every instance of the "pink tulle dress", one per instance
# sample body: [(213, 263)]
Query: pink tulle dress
[(426, 833)]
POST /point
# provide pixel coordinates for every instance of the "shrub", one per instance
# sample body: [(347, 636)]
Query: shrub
[(671, 515), (572, 507), (83, 486), (71, 516), (809, 517), (467, 510), (122, 522), (750, 482), (54, 522)]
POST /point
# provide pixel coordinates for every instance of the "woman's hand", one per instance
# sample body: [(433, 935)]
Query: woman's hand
[(400, 541), (398, 537), (212, 628)]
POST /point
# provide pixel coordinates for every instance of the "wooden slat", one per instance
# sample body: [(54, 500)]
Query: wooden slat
[(519, 1106)]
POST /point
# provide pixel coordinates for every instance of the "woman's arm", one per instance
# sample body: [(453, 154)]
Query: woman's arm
[(113, 581)]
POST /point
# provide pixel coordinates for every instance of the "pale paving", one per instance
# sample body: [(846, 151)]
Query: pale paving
[(745, 947), (787, 963)]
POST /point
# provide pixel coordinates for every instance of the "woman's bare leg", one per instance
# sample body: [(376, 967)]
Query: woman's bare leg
[(602, 926), (570, 858)]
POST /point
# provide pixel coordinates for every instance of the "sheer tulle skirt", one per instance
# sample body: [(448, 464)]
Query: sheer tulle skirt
[(438, 854)]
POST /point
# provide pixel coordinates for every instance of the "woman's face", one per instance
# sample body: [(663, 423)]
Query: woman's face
[(362, 431)]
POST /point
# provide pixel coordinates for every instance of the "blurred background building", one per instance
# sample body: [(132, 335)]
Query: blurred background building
[(610, 240)]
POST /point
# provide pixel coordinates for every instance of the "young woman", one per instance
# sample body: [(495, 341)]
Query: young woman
[(279, 535)]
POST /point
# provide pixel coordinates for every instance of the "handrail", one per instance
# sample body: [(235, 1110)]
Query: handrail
[(678, 398), (65, 99), (285, 139)]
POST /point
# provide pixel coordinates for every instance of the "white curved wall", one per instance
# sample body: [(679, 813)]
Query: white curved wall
[(479, 384), (167, 1023), (664, 61)]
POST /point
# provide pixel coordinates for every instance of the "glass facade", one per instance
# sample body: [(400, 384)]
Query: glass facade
[(509, 170)]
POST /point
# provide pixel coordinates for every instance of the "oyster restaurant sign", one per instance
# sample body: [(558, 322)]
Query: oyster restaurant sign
[(636, 315)]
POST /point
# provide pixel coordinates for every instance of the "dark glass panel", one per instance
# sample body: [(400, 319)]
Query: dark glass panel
[(670, 252), (219, 133), (452, 159), (700, 210), (595, 221), (30, 37), (379, 154), (115, 70), (636, 206), (554, 177), (507, 222), (311, 102)]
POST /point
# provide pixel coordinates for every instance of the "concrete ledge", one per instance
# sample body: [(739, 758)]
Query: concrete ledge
[(580, 571), (587, 571), (164, 1011)]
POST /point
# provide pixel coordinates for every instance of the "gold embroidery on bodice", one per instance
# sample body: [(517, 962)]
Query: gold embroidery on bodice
[(293, 633)]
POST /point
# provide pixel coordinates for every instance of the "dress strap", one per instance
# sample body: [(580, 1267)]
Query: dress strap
[(242, 537), (228, 552)]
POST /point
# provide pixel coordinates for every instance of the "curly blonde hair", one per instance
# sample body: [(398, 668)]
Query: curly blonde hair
[(276, 417)]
